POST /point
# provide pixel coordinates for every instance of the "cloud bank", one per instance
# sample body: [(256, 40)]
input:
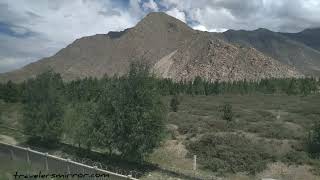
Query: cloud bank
[(30, 30)]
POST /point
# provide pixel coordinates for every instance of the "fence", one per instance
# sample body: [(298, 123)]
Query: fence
[(46, 163)]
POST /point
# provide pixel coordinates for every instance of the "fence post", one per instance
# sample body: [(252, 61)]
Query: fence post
[(28, 158), (95, 171), (195, 165), (11, 154), (130, 175), (46, 161), (68, 167)]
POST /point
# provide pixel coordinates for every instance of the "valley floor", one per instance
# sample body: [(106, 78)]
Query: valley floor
[(273, 125)]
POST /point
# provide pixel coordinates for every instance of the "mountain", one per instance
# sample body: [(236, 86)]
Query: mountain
[(297, 49), (309, 37), (170, 46)]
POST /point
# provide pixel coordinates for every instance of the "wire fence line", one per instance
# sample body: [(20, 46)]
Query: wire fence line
[(21, 156), (39, 161)]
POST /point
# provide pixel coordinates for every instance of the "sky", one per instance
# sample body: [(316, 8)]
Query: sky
[(33, 29)]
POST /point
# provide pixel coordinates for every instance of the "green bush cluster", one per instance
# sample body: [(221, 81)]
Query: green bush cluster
[(313, 141), (174, 103)]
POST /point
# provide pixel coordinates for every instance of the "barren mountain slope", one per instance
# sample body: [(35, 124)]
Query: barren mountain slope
[(215, 59)]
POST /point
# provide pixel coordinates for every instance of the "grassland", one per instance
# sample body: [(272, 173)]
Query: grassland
[(277, 124)]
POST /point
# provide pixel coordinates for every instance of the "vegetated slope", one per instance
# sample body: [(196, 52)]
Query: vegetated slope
[(214, 59), (155, 38), (282, 47)]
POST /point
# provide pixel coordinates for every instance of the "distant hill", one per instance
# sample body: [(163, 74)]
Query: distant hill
[(309, 37), (174, 50), (300, 50)]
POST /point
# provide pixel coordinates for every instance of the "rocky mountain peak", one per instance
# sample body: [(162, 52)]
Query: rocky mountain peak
[(161, 22)]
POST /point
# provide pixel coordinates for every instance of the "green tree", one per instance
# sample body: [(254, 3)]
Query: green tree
[(293, 88), (174, 103), (78, 123), (133, 109), (43, 107), (198, 86), (106, 129), (10, 92), (314, 139)]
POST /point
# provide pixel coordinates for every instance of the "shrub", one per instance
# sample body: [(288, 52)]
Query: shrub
[(174, 103), (313, 142), (229, 153), (296, 157)]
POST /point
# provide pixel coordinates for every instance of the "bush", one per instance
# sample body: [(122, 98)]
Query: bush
[(314, 140), (296, 157), (174, 103), (230, 153)]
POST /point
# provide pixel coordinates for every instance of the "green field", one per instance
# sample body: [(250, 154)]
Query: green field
[(273, 125)]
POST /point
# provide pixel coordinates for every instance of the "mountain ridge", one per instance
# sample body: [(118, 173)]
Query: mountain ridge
[(155, 39)]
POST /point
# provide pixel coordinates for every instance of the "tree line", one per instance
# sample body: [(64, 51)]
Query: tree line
[(122, 115), (199, 86), (90, 88)]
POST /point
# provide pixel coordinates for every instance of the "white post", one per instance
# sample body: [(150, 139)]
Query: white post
[(68, 167), (11, 152), (278, 114), (46, 161), (28, 158), (95, 171), (194, 162)]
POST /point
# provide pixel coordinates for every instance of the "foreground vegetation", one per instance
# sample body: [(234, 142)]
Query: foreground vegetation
[(264, 129), (231, 127)]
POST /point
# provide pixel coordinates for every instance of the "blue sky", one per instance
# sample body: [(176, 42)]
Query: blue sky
[(33, 29)]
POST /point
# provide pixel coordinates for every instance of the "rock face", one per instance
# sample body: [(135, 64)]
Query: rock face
[(171, 47)]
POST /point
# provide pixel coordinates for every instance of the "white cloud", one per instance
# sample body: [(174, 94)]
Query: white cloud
[(276, 15), (218, 30), (203, 28), (177, 14), (200, 27), (150, 5), (58, 23)]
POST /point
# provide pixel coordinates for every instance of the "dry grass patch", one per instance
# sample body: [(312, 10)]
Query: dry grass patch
[(282, 171)]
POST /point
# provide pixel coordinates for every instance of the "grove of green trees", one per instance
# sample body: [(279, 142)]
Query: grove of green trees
[(123, 116)]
